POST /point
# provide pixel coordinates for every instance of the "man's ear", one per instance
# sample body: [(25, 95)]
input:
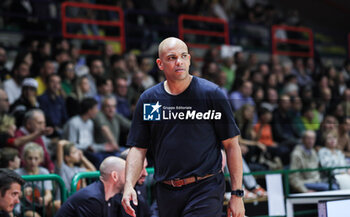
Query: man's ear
[(114, 176), (160, 64)]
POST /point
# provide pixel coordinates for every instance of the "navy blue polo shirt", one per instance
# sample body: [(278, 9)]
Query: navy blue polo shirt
[(90, 202), (183, 133)]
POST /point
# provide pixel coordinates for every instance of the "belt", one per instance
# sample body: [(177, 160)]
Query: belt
[(186, 181)]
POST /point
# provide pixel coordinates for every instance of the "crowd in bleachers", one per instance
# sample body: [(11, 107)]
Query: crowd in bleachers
[(59, 108)]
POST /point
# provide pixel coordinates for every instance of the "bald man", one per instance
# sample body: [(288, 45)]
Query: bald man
[(183, 122), (97, 199)]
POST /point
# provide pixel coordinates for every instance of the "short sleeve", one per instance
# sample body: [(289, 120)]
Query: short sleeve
[(225, 126), (139, 135)]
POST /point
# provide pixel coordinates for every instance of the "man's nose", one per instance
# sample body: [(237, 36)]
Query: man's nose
[(179, 61), (16, 200)]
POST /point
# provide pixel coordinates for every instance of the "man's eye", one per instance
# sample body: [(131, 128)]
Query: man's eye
[(184, 55)]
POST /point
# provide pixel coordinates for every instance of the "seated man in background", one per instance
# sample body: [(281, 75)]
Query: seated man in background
[(97, 199), (304, 156), (34, 127), (109, 124), (53, 104), (80, 130)]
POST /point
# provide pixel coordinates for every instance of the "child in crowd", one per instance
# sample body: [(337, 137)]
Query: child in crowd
[(9, 158), (34, 205), (68, 156)]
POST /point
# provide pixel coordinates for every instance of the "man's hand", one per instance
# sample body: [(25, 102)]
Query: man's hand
[(48, 131), (129, 195), (235, 207)]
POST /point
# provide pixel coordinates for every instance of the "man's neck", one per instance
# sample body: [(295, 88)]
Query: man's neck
[(110, 190), (177, 87)]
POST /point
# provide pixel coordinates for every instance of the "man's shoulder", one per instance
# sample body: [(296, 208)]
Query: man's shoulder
[(91, 192), (205, 84), (74, 121), (152, 90)]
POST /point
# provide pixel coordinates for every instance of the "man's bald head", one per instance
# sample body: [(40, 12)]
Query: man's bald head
[(170, 42), (111, 164)]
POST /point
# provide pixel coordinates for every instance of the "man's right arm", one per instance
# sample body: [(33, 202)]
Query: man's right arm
[(134, 165)]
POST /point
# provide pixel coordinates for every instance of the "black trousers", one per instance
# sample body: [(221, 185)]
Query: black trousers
[(201, 199)]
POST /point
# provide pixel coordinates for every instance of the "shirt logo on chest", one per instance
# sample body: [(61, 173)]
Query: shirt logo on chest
[(152, 111)]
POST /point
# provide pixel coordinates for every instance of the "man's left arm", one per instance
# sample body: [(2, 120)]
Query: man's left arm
[(234, 163)]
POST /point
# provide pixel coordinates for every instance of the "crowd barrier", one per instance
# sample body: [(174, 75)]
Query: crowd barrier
[(72, 18), (304, 38), (56, 179), (94, 175)]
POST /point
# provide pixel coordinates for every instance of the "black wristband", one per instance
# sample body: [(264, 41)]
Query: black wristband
[(238, 193)]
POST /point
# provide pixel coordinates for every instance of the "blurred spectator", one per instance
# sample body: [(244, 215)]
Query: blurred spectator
[(239, 59), (242, 96), (299, 71), (258, 95), (310, 118), (53, 104), (251, 149), (46, 69), (27, 100), (80, 130), (330, 155), (27, 57), (304, 156), (271, 102), (136, 88), (252, 62), (13, 86), (38, 192), (229, 68), (104, 89), (3, 59), (34, 126), (341, 85), (296, 114), (118, 66), (109, 125), (121, 93), (131, 63), (43, 53), (71, 161), (9, 158), (96, 69), (346, 70), (346, 102), (344, 136), (210, 71), (67, 74), (282, 125), (274, 152), (328, 124), (220, 80), (81, 91), (4, 103)]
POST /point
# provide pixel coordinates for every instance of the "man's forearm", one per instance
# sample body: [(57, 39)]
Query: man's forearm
[(134, 165), (234, 162)]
